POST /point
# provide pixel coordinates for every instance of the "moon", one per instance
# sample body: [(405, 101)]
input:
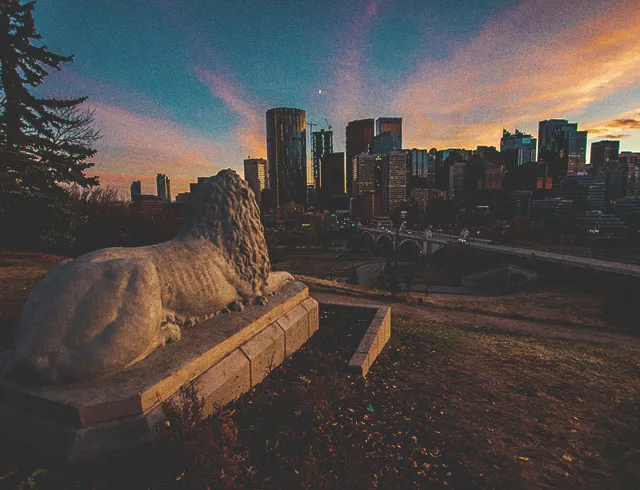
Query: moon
[(319, 91)]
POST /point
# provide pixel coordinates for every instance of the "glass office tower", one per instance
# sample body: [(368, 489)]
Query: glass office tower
[(287, 155)]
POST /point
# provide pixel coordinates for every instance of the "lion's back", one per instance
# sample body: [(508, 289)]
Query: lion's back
[(86, 309)]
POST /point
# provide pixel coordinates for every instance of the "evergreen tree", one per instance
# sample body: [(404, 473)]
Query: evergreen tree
[(44, 141)]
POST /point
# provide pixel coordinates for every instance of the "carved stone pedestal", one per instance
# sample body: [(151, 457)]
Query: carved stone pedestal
[(224, 357)]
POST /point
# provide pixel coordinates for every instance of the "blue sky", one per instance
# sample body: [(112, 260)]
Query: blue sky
[(182, 87)]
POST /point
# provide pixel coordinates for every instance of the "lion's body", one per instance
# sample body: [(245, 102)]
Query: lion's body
[(108, 309)]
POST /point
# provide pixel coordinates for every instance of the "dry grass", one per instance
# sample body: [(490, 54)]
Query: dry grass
[(319, 264)]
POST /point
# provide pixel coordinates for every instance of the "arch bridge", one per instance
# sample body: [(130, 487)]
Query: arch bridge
[(424, 241), (429, 243)]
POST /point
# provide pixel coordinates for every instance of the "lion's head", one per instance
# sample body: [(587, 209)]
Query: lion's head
[(224, 211)]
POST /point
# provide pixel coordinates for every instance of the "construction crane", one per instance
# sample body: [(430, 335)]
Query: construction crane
[(328, 125)]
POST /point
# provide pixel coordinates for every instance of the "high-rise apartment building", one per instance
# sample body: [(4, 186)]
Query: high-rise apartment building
[(321, 145), (421, 169), (517, 149), (136, 190), (422, 164), (633, 182), (359, 137), (577, 143), (457, 173), (603, 152), (560, 142), (164, 187), (629, 159), (332, 176), (446, 158), (586, 192), (286, 155), (383, 143), (394, 180), (392, 125), (256, 175), (363, 170), (486, 155)]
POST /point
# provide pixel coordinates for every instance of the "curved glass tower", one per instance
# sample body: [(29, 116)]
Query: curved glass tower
[(287, 155)]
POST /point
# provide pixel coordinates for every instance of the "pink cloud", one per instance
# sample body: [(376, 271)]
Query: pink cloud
[(250, 130), (539, 60), (353, 93), (69, 83), (140, 141)]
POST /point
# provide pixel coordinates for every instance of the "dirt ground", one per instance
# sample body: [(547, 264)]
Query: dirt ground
[(19, 273), (534, 389), (546, 402)]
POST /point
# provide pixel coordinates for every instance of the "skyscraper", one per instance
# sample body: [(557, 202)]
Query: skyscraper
[(136, 190), (445, 159), (286, 155), (629, 159), (517, 149), (391, 125), (164, 187), (561, 146), (422, 169), (383, 143), (332, 177), (363, 169), (359, 137), (603, 152), (321, 145), (394, 180), (255, 173), (577, 144), (419, 162)]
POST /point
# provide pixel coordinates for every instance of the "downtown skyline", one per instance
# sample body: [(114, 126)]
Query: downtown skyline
[(183, 90)]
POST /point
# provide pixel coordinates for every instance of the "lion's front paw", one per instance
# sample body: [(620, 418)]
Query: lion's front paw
[(275, 281), (171, 332)]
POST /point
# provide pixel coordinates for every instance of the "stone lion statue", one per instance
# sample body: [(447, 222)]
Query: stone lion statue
[(108, 309)]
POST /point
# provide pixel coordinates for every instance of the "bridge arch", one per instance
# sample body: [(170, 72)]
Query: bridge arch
[(369, 234), (385, 242), (410, 248), (417, 243)]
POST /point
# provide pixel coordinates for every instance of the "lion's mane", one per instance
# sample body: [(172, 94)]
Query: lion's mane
[(224, 211)]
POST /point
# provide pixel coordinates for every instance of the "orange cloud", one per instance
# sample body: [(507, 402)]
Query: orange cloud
[(542, 59), (615, 136), (250, 131), (610, 128)]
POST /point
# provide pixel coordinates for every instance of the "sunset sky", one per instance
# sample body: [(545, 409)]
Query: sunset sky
[(182, 87)]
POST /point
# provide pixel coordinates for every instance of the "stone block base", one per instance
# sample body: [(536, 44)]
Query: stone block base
[(223, 357)]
